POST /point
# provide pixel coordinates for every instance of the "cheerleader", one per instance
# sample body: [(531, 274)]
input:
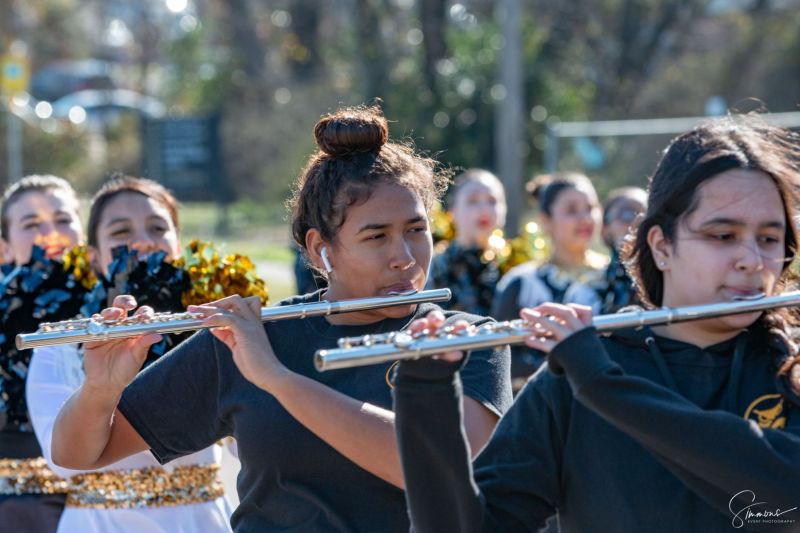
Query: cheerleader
[(134, 494), (569, 214), (39, 221), (468, 265)]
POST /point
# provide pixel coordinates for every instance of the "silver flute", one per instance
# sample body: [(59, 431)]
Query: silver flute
[(98, 329), (401, 345)]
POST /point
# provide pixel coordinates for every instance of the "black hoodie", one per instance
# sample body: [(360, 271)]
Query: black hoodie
[(644, 433)]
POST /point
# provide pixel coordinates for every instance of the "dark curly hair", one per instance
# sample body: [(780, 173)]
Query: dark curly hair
[(355, 155)]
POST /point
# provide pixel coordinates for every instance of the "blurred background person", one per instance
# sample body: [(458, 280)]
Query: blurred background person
[(41, 211), (620, 210), (186, 494), (468, 266), (569, 213), (3, 253)]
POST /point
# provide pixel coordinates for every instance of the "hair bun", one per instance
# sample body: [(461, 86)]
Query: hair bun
[(537, 185), (352, 130)]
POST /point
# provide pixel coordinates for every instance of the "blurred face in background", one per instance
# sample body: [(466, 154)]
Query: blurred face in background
[(619, 219), (46, 218), (138, 222), (574, 215), (479, 208)]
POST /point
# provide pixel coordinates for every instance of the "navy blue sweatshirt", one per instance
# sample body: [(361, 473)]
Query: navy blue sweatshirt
[(643, 433)]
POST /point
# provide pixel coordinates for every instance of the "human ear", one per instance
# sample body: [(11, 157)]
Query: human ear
[(660, 248), (318, 251)]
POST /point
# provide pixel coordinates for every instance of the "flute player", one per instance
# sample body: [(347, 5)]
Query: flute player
[(318, 451), (690, 427)]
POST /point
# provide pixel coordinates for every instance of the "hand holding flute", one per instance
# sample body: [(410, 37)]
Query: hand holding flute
[(549, 323), (111, 364), (236, 322)]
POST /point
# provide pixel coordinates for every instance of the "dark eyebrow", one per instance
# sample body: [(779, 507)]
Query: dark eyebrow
[(116, 221), (371, 227), (734, 222), (34, 215), (125, 219)]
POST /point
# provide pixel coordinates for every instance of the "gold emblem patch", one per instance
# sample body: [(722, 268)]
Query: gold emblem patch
[(767, 411)]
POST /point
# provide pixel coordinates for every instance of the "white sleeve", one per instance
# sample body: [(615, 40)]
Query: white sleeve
[(55, 372)]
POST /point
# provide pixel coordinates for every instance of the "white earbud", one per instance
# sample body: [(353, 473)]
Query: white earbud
[(325, 261)]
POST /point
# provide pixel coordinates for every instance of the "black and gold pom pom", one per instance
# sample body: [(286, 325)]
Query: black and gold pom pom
[(77, 265), (442, 227), (529, 245), (213, 275)]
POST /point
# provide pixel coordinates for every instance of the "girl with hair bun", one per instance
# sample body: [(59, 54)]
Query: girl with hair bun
[(569, 213), (687, 427), (318, 451)]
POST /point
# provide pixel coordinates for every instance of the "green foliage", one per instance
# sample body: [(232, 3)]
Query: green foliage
[(272, 68), (45, 153)]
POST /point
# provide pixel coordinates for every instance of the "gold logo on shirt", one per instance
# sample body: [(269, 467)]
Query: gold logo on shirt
[(767, 411)]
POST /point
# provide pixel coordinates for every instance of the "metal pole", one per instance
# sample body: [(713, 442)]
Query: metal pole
[(13, 145), (509, 126), (550, 150)]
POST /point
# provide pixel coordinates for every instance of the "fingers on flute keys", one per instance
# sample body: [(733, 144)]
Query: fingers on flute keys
[(431, 324), (123, 304), (230, 310), (138, 346), (552, 323)]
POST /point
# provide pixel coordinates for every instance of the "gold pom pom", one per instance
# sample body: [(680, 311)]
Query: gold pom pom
[(530, 245), (213, 275), (76, 262), (442, 227)]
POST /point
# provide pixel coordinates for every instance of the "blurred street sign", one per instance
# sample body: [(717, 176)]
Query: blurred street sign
[(14, 74), (183, 153)]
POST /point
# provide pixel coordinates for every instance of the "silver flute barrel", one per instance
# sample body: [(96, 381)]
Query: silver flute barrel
[(96, 329), (375, 349)]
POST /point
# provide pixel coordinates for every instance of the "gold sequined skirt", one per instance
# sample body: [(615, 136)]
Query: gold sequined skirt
[(145, 487), (29, 476)]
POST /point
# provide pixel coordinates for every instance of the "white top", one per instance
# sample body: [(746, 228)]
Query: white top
[(534, 291), (55, 373)]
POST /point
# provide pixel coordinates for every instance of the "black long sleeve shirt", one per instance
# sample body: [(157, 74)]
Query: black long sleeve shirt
[(634, 437)]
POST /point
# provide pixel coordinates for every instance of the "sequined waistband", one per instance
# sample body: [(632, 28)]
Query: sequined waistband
[(29, 476), (145, 487)]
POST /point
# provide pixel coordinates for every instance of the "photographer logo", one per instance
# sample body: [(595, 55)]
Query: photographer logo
[(747, 511)]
